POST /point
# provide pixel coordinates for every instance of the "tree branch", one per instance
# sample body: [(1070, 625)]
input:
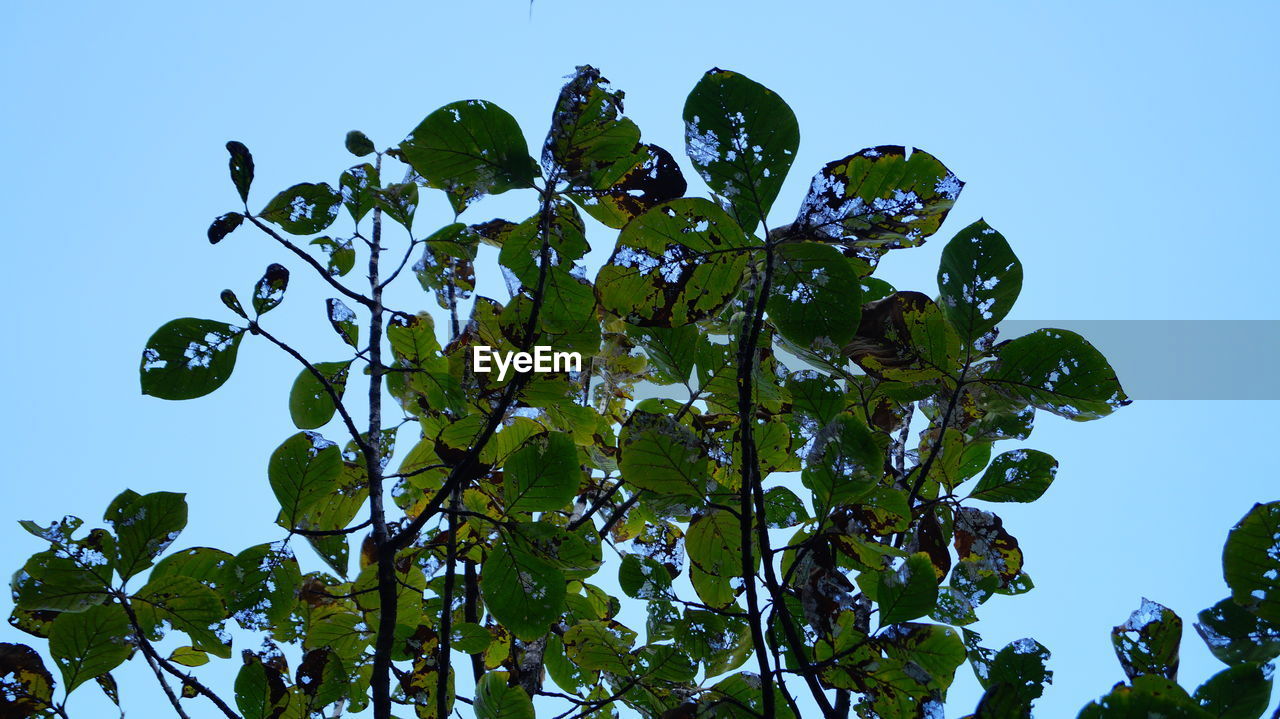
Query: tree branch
[(341, 288)]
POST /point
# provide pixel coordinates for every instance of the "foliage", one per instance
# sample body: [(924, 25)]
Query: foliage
[(488, 550)]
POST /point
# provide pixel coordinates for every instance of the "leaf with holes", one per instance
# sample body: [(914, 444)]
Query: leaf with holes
[(979, 280), (304, 209), (189, 358), (680, 262), (469, 149), (742, 138)]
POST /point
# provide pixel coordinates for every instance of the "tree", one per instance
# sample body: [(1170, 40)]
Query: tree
[(794, 535)]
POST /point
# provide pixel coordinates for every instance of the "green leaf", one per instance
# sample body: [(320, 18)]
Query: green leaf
[(1058, 371), (185, 605), (322, 679), (643, 577), (671, 351), (1015, 678), (270, 289), (344, 321), (89, 644), (24, 682), (469, 149), (145, 525), (470, 638), (1021, 475), (987, 549), (1236, 635), (597, 645), (496, 700), (658, 454), (302, 471), (189, 358), (625, 193), (809, 280), (189, 657), (241, 166), (783, 508), (722, 643), (1148, 642), (341, 255), (523, 593), (400, 202), (848, 459), (1251, 561), (588, 133), (714, 544), (908, 592), (905, 337), (310, 405), (680, 262), (543, 475), (304, 209), (224, 225), (979, 280), (1239, 692), (358, 186), (260, 690), (936, 649), (233, 303), (51, 582), (742, 139), (1149, 696), (359, 144), (261, 587), (878, 199)]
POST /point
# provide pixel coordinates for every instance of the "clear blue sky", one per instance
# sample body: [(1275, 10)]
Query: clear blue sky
[(1128, 152)]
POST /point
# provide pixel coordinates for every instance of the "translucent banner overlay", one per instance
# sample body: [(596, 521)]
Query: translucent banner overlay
[(1181, 359)]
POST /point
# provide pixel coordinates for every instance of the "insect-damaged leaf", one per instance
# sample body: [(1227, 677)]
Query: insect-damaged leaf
[(979, 280), (399, 201), (629, 189), (543, 475), (783, 508), (588, 132), (185, 605), (877, 200), (25, 684), (523, 592), (983, 544), (659, 454), (241, 166), (742, 138), (1021, 475), (908, 592), (600, 646), (145, 525), (1251, 561), (1058, 371), (343, 320), (1148, 696), (905, 337), (469, 149), (260, 689), (303, 470), (1236, 636), (310, 404), (845, 462), (189, 358), (357, 186), (224, 225), (341, 255), (809, 282), (1013, 679), (260, 585), (496, 700), (675, 264), (304, 209), (89, 644), (270, 289), (714, 544), (1148, 642), (1239, 692)]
